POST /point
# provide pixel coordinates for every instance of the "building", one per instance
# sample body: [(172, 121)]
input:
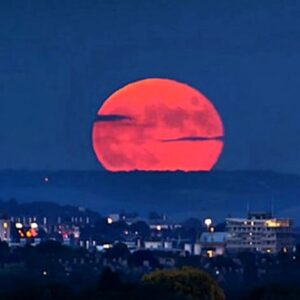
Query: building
[(154, 245), (5, 229), (213, 243), (163, 224), (259, 232)]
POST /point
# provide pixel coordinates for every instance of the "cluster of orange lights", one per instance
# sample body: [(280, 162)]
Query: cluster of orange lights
[(31, 233), (273, 223), (27, 232)]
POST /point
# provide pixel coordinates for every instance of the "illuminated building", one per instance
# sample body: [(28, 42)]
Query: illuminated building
[(259, 232), (154, 245), (5, 229), (160, 225), (213, 243), (112, 218)]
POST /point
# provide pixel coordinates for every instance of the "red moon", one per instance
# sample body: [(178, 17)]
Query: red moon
[(157, 125)]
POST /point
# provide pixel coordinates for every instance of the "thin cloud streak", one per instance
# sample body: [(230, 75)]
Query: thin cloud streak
[(112, 118), (192, 139)]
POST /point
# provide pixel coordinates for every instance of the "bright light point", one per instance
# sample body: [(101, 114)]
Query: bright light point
[(208, 222), (158, 227), (21, 233), (107, 246), (34, 225), (46, 179), (109, 220), (19, 225), (45, 273), (209, 253)]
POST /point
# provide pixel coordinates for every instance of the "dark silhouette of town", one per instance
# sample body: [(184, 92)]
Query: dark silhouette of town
[(49, 251)]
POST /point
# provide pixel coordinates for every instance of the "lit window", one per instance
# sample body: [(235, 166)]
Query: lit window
[(209, 253)]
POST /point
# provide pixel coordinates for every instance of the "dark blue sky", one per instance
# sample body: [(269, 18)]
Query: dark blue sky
[(60, 59)]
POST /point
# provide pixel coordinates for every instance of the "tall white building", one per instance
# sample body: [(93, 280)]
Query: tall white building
[(259, 232)]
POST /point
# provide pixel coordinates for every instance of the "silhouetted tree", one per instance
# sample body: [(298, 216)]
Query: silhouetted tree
[(141, 227), (109, 281), (192, 228), (119, 250), (142, 258), (4, 253), (275, 292), (190, 282), (248, 261)]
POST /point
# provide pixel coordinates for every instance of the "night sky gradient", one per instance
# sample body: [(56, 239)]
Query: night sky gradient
[(59, 60)]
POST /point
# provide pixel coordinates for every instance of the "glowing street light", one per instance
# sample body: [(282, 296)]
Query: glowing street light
[(34, 225), (107, 246), (208, 222), (158, 228), (19, 225)]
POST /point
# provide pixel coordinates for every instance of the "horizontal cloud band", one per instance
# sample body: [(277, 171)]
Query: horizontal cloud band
[(192, 138), (112, 118)]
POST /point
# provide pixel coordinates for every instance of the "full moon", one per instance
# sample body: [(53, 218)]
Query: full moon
[(157, 125)]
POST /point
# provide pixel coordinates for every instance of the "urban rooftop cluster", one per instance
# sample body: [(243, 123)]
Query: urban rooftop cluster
[(258, 232)]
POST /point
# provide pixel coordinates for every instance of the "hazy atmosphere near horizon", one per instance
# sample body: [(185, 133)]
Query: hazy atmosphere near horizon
[(60, 60)]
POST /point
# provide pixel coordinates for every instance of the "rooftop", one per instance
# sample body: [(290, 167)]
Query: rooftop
[(213, 237)]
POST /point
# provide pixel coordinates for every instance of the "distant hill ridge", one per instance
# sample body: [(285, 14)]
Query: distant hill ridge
[(217, 193)]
